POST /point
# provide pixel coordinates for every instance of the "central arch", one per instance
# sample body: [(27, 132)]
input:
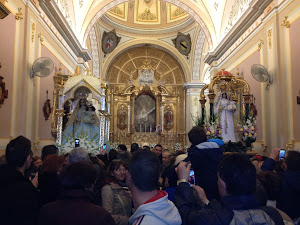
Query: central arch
[(189, 7)]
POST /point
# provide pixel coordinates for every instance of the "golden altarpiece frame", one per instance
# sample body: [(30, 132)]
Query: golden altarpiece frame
[(147, 110)]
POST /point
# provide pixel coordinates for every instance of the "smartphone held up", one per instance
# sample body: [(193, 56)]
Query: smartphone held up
[(192, 178), (281, 154)]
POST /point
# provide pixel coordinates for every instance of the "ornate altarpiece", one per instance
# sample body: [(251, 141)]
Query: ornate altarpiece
[(147, 110), (66, 91)]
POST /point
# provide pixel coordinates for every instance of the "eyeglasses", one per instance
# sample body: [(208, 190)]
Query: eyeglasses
[(119, 170)]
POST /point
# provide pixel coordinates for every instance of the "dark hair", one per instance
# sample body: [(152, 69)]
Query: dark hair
[(114, 165), (17, 151), (197, 135), (144, 168), (134, 147), (158, 145), (293, 161), (52, 163), (146, 147), (271, 183), (49, 150), (78, 175), (35, 158), (238, 173), (123, 147), (112, 154)]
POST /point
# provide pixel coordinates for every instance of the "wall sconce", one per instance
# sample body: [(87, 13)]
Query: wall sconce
[(298, 99)]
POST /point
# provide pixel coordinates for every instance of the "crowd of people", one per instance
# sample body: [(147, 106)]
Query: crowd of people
[(144, 186)]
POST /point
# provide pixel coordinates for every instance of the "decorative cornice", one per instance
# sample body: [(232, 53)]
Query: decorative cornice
[(250, 16), (52, 11)]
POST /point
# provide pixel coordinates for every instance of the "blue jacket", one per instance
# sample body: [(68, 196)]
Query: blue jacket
[(288, 200), (205, 158)]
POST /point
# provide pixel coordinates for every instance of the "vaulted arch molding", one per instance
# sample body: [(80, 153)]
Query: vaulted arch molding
[(163, 46), (209, 30), (167, 66)]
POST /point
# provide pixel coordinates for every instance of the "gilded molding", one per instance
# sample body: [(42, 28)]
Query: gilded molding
[(290, 146), (286, 23), (270, 38), (40, 36), (259, 46), (3, 1), (32, 31), (19, 15), (36, 143)]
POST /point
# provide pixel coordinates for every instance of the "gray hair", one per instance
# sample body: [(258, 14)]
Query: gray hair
[(78, 154)]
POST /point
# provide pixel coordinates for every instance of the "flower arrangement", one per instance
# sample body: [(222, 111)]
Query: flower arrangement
[(213, 129), (212, 126), (248, 130), (92, 145)]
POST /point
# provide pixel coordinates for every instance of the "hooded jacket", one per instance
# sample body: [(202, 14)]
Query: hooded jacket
[(205, 158), (156, 211)]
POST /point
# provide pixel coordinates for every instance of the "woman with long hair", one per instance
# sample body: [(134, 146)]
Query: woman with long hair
[(116, 198)]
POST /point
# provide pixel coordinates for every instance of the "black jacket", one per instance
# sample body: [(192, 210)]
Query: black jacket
[(220, 213), (18, 198), (288, 200), (75, 207), (205, 158)]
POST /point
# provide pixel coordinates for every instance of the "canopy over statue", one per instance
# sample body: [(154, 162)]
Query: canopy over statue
[(80, 101), (230, 117)]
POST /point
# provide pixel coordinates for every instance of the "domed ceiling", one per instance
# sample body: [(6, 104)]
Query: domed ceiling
[(146, 15)]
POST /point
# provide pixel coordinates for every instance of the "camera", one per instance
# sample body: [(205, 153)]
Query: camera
[(281, 154), (77, 143), (192, 178)]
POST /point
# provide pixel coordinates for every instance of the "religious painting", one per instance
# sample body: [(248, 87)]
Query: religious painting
[(122, 118), (145, 113), (168, 118), (146, 76)]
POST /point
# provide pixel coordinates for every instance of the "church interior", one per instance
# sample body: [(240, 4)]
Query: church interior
[(149, 71)]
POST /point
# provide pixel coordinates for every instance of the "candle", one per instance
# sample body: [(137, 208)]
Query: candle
[(150, 128), (145, 128), (140, 128)]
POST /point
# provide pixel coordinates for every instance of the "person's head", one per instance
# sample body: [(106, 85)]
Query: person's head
[(271, 183), (18, 152), (117, 170), (82, 102), (134, 147), (158, 150), (224, 95), (197, 135), (236, 175), (37, 161), (78, 154), (112, 154), (166, 156), (292, 161), (122, 148), (49, 150), (143, 171), (80, 175), (53, 164)]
